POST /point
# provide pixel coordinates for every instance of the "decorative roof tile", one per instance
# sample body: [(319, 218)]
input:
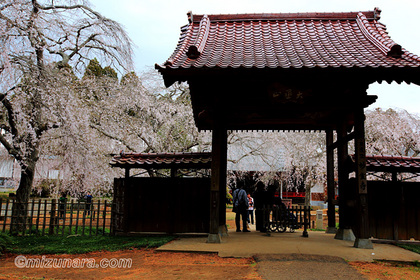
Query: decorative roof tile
[(162, 160), (292, 40)]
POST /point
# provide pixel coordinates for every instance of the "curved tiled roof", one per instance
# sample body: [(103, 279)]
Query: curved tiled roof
[(380, 163), (162, 160), (296, 40)]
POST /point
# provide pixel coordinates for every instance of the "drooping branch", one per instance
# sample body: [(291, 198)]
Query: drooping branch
[(103, 132)]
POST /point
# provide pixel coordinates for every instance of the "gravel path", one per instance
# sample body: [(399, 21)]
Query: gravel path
[(298, 266)]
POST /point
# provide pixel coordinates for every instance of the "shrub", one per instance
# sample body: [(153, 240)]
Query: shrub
[(5, 242)]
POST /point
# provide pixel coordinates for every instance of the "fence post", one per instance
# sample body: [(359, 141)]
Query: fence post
[(31, 216), (92, 214), (104, 219), (98, 216), (24, 216), (45, 217), (52, 217), (112, 224), (5, 214), (37, 216), (77, 217), (85, 212), (64, 217), (4, 217), (71, 216)]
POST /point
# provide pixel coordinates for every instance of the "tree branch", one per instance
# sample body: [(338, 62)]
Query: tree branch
[(99, 129), (10, 149)]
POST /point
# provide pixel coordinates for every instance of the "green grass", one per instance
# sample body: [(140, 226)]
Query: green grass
[(67, 230), (316, 229), (75, 244), (5, 242), (412, 247), (5, 195)]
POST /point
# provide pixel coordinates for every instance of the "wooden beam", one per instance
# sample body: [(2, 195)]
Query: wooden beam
[(362, 240), (218, 180), (330, 183), (344, 232), (343, 176), (174, 171), (127, 173), (342, 141)]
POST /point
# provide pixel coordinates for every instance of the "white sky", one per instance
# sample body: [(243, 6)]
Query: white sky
[(154, 27)]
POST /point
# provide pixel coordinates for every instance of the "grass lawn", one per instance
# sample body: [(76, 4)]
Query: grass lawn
[(80, 244), (412, 247)]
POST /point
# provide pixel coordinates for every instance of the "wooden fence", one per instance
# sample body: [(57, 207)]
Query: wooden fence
[(394, 210), (49, 216), (279, 219)]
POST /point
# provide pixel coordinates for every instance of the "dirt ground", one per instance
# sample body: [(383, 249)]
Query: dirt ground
[(146, 264), (150, 264), (391, 271)]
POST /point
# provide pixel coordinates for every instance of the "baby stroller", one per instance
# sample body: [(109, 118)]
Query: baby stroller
[(281, 219), (291, 221)]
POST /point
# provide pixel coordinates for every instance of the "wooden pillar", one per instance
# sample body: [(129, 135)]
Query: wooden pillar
[(174, 172), (218, 180), (362, 240), (330, 183), (394, 177), (344, 231)]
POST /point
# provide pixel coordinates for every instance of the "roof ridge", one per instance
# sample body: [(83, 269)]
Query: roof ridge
[(371, 15)]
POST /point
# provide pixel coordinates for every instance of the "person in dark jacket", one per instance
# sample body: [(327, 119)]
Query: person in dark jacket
[(62, 205), (240, 204), (262, 203), (88, 204)]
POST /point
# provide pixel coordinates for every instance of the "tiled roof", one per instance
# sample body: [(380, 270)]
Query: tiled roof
[(392, 163), (162, 160), (295, 40)]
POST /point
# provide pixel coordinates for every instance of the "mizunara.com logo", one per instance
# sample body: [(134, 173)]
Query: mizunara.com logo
[(45, 262)]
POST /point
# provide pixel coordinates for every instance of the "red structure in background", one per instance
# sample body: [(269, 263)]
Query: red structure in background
[(293, 194)]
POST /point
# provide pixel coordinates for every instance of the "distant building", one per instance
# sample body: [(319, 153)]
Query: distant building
[(47, 168)]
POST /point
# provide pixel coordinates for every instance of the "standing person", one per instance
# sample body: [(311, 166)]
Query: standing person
[(250, 209), (240, 205), (62, 205), (88, 203), (262, 204)]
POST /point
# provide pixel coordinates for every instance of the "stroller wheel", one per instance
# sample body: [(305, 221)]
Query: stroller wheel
[(282, 228), (273, 227)]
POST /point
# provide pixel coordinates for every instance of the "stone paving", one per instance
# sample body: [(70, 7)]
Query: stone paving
[(240, 244)]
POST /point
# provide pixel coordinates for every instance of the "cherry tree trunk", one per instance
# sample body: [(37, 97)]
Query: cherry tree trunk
[(19, 210)]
